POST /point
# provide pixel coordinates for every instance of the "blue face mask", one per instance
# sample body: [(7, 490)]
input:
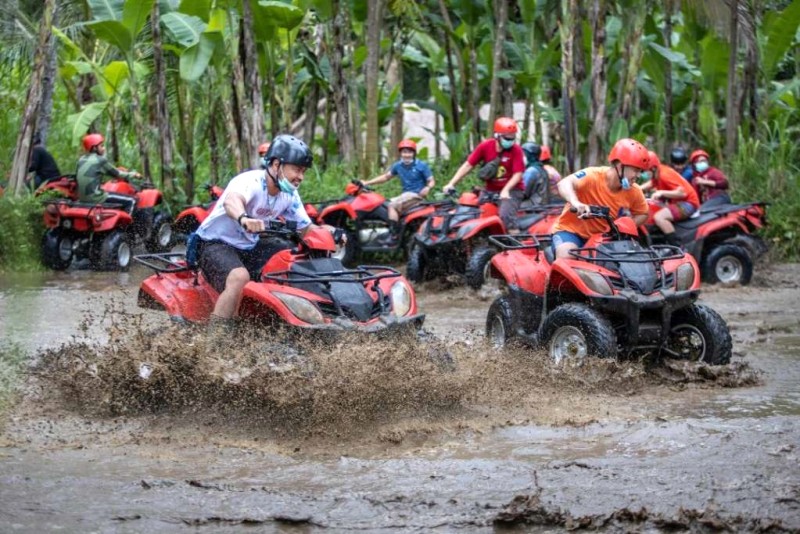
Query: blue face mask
[(626, 184), (507, 143), (285, 186), (646, 175), (701, 166)]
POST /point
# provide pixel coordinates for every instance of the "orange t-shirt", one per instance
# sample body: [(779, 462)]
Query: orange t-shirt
[(592, 189), (669, 180)]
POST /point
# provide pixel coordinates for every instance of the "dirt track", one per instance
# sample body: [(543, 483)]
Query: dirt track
[(379, 438)]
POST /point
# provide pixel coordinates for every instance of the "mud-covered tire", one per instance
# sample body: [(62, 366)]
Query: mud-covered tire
[(56, 250), (416, 266), (113, 253), (477, 271), (500, 323), (698, 333), (728, 264), (575, 332), (162, 236)]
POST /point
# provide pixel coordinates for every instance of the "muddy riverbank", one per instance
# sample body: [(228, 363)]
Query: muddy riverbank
[(378, 435)]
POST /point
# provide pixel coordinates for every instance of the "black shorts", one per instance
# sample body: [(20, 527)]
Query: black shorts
[(218, 259)]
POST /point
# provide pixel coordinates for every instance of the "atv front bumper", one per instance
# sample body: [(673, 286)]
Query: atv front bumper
[(385, 323)]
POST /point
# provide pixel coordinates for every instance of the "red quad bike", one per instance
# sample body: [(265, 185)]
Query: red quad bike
[(190, 218), (721, 238), (613, 297), (455, 240), (302, 287), (105, 233), (65, 186), (364, 215)]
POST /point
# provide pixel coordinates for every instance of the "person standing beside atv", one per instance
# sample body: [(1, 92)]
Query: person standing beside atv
[(92, 166), (503, 164), (43, 165), (417, 181), (679, 161), (710, 183), (535, 178), (612, 187), (230, 252), (681, 198)]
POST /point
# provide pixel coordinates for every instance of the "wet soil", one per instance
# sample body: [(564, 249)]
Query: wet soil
[(281, 434)]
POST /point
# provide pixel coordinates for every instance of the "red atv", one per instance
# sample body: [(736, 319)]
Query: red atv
[(455, 240), (66, 186), (612, 297), (190, 218), (364, 215), (301, 287), (105, 233), (722, 238)]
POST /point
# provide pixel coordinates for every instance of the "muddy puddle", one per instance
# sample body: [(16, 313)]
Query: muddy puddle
[(124, 424)]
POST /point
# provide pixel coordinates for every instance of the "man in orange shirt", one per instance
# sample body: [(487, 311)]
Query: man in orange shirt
[(612, 187), (681, 198)]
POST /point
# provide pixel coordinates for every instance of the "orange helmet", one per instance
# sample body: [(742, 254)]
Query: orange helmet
[(630, 152), (697, 154), (92, 140), (545, 155), (262, 149), (505, 126), (654, 160), (407, 143)]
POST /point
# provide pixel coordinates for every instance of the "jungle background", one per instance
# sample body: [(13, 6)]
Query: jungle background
[(185, 90)]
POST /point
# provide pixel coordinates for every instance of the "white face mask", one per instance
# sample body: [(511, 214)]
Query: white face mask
[(701, 166)]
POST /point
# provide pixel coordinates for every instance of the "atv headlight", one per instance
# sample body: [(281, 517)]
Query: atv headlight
[(303, 309), (684, 277), (595, 281), (401, 298)]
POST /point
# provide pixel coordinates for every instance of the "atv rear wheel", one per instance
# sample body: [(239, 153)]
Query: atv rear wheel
[(698, 333), (112, 253), (728, 264), (162, 236), (479, 266), (500, 323), (575, 331), (56, 250), (417, 264)]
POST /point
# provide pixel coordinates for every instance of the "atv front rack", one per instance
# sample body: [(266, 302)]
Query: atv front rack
[(167, 262), (519, 241), (359, 275), (654, 254)]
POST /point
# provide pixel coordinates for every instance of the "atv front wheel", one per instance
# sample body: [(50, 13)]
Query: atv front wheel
[(479, 266), (575, 332), (162, 236), (56, 250), (417, 264), (698, 333), (728, 264), (500, 323), (112, 253)]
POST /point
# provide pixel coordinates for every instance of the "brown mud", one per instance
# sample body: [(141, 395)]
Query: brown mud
[(124, 424)]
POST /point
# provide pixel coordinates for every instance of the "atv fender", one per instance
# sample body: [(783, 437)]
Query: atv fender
[(106, 220), (148, 198), (752, 243), (564, 279), (333, 211), (731, 220), (521, 270), (178, 295), (489, 225)]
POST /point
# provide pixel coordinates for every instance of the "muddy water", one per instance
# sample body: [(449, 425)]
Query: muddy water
[(378, 438)]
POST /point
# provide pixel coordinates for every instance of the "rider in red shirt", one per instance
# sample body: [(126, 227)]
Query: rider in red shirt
[(681, 198)]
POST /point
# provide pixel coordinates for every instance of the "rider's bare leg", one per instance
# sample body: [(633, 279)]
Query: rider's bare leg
[(562, 250), (229, 299)]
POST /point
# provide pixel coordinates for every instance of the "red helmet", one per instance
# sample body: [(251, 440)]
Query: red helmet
[(505, 126), (92, 140), (697, 154), (407, 143), (630, 152), (545, 154), (262, 149), (654, 160)]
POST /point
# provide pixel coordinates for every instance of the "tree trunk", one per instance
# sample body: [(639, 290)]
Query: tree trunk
[(568, 84), (186, 126), (312, 101), (474, 102), (372, 150), (339, 84), (22, 152), (138, 121), (597, 111), (731, 108), (394, 78), (668, 119), (633, 62), (501, 19), (162, 110), (245, 105), (254, 95), (48, 84), (214, 147), (451, 76), (224, 92), (454, 89), (326, 135)]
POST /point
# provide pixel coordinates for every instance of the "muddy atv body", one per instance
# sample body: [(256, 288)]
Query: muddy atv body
[(722, 238), (613, 297), (303, 288)]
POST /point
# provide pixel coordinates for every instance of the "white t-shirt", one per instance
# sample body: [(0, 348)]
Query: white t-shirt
[(259, 204)]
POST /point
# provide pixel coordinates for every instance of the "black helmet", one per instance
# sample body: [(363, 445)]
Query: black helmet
[(678, 155), (532, 151), (289, 149)]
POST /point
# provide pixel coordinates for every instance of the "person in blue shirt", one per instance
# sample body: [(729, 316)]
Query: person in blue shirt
[(417, 181), (679, 160)]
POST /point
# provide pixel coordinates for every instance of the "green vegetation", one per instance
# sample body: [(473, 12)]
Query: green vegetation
[(21, 235)]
